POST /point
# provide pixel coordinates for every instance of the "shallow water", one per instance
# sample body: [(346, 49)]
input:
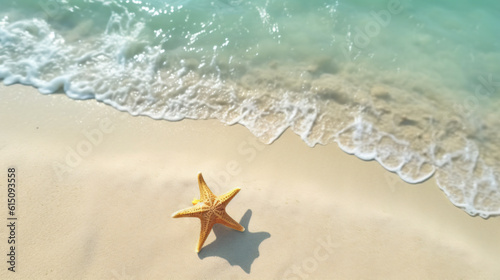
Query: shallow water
[(413, 85)]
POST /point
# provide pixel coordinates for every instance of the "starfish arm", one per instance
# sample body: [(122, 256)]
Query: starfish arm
[(205, 192), (194, 211), (206, 227), (226, 220), (227, 197)]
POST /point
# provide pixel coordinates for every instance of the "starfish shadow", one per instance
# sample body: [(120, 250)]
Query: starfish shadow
[(238, 248)]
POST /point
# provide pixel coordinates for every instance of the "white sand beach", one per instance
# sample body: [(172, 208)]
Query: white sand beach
[(96, 188)]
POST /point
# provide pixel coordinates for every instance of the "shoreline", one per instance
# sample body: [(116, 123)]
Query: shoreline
[(100, 184)]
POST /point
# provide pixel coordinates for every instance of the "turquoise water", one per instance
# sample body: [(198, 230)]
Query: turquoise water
[(411, 84)]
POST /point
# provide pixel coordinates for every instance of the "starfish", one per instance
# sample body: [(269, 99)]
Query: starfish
[(210, 209)]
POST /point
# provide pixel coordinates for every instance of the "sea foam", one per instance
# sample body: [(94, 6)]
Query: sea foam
[(277, 66)]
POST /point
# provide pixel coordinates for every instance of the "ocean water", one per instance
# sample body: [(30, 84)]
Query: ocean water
[(411, 84)]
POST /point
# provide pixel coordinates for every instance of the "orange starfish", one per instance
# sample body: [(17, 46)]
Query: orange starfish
[(210, 209)]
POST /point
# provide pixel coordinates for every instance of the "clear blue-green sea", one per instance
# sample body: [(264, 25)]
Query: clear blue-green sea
[(414, 85)]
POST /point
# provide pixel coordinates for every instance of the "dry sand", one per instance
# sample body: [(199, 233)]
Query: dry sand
[(96, 188)]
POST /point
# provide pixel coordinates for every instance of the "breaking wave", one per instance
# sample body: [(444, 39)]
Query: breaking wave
[(329, 71)]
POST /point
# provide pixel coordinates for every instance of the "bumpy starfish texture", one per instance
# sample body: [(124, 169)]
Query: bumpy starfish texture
[(210, 209)]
